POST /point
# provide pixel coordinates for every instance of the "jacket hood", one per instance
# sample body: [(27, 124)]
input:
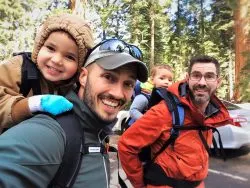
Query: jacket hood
[(77, 28)]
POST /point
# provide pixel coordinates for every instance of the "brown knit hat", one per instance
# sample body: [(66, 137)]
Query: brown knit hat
[(72, 24)]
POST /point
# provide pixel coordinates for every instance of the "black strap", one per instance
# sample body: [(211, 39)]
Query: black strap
[(204, 142), (30, 75), (72, 158), (172, 102), (202, 128), (156, 176), (220, 152)]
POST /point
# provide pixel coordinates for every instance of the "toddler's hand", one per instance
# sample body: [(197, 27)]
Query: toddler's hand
[(53, 104)]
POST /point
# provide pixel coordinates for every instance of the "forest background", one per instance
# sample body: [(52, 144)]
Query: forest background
[(167, 31)]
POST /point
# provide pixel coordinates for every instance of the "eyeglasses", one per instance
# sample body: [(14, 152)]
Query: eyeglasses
[(118, 45), (209, 77)]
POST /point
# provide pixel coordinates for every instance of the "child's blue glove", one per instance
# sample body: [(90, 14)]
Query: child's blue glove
[(53, 104)]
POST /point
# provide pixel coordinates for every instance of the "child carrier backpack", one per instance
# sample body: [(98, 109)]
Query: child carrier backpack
[(30, 75), (153, 174), (178, 114), (152, 171), (177, 111)]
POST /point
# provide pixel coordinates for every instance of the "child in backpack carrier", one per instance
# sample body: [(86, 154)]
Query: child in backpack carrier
[(60, 48), (161, 76)]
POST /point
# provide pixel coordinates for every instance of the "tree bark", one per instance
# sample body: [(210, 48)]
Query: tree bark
[(152, 33), (78, 7), (242, 41)]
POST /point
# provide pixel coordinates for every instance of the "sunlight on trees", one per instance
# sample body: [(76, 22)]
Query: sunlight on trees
[(167, 31)]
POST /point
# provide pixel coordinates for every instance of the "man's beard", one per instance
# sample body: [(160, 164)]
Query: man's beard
[(89, 100), (199, 100)]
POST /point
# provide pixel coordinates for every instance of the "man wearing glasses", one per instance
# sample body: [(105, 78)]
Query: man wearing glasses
[(184, 163), (32, 152)]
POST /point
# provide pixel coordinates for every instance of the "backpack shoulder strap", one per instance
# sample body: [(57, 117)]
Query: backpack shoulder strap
[(172, 102), (137, 90), (73, 153), (177, 111), (30, 75)]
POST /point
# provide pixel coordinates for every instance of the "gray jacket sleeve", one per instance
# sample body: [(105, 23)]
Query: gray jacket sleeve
[(139, 104), (31, 152)]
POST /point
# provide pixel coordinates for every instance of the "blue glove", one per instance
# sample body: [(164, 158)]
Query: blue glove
[(53, 104)]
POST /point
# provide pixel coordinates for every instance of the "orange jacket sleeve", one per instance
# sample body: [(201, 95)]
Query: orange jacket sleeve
[(143, 132)]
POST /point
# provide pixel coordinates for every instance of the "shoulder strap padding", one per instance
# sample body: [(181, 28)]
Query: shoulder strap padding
[(30, 75), (73, 153), (172, 102), (176, 109)]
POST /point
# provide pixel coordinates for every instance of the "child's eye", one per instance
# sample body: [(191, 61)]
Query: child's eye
[(70, 57), (50, 48)]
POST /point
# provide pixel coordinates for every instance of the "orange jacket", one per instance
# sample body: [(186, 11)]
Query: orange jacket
[(189, 159)]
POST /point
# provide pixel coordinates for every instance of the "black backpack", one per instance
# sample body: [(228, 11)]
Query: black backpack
[(178, 114), (30, 75), (73, 153)]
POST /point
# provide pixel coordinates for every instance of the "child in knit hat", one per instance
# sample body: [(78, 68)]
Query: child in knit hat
[(60, 48), (161, 76)]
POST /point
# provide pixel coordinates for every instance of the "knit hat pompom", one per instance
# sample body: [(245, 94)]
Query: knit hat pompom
[(75, 26)]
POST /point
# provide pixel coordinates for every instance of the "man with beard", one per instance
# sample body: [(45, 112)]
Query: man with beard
[(32, 151), (184, 163)]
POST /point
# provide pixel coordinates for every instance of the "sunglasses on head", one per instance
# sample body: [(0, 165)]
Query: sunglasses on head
[(118, 45)]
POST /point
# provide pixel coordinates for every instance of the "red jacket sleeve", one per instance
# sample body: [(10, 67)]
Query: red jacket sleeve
[(143, 132)]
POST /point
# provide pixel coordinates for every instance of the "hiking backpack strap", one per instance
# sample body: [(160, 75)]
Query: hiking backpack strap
[(30, 75), (177, 111), (73, 153)]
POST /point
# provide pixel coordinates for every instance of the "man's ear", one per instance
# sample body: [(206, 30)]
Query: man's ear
[(83, 76)]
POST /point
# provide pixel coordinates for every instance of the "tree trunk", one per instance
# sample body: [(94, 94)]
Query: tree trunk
[(202, 25), (242, 41), (152, 33), (231, 78), (78, 7)]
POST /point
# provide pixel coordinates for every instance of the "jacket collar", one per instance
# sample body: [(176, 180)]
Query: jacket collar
[(214, 109)]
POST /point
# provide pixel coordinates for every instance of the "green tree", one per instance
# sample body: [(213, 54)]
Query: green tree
[(13, 23), (147, 22), (19, 21)]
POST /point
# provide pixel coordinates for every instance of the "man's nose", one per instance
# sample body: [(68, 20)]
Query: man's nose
[(167, 82), (203, 81), (117, 91)]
